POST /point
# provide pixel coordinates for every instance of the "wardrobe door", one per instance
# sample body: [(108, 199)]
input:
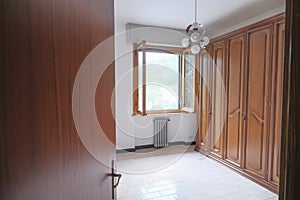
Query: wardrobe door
[(259, 55), (278, 67), (236, 53), (219, 98), (205, 69)]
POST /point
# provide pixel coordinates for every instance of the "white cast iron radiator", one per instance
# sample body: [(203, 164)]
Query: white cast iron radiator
[(160, 130)]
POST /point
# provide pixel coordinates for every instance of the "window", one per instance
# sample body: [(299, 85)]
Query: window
[(189, 82), (164, 80)]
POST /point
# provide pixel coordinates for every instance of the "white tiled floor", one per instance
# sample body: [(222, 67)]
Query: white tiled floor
[(169, 174)]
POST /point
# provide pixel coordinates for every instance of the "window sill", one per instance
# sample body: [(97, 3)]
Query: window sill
[(166, 112)]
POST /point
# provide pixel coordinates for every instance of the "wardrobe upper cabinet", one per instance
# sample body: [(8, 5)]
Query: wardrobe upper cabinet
[(219, 98), (205, 101), (275, 133), (235, 94), (258, 89)]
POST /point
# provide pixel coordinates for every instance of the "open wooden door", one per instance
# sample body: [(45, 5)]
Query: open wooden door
[(43, 153), (290, 151)]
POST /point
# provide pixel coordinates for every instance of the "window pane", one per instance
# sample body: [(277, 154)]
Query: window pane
[(162, 81), (189, 87)]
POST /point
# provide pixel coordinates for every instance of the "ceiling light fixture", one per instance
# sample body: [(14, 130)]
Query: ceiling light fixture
[(197, 38)]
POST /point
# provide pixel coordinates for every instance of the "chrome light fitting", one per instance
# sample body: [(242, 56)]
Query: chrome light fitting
[(197, 38)]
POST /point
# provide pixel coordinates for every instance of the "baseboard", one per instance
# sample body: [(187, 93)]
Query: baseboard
[(176, 143), (126, 150), (190, 143), (149, 146)]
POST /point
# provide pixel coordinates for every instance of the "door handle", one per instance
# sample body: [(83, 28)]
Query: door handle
[(114, 175)]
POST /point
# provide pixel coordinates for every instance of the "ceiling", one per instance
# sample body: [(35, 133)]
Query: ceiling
[(216, 15)]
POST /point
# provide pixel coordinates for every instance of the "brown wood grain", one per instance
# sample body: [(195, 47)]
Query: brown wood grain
[(205, 98), (255, 151), (255, 25), (44, 43), (290, 151), (276, 101), (218, 98), (235, 95), (258, 64)]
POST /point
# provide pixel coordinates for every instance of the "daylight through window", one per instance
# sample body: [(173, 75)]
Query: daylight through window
[(164, 80)]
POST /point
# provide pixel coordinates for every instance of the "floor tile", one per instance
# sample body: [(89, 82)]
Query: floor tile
[(178, 172)]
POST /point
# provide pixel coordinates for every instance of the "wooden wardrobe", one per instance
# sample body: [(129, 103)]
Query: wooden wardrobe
[(241, 100)]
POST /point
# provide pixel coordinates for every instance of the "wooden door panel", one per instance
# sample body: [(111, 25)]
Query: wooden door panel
[(219, 98), (233, 140), (257, 100), (255, 147), (235, 99), (41, 155), (278, 68), (205, 97), (205, 114)]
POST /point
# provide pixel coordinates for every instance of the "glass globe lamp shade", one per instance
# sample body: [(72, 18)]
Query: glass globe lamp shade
[(185, 42), (204, 41), (195, 48), (195, 37)]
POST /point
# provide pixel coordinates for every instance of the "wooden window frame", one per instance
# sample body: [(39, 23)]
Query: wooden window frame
[(184, 108), (181, 102)]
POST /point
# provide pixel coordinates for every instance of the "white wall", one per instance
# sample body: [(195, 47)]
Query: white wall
[(125, 130), (137, 130), (181, 127)]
